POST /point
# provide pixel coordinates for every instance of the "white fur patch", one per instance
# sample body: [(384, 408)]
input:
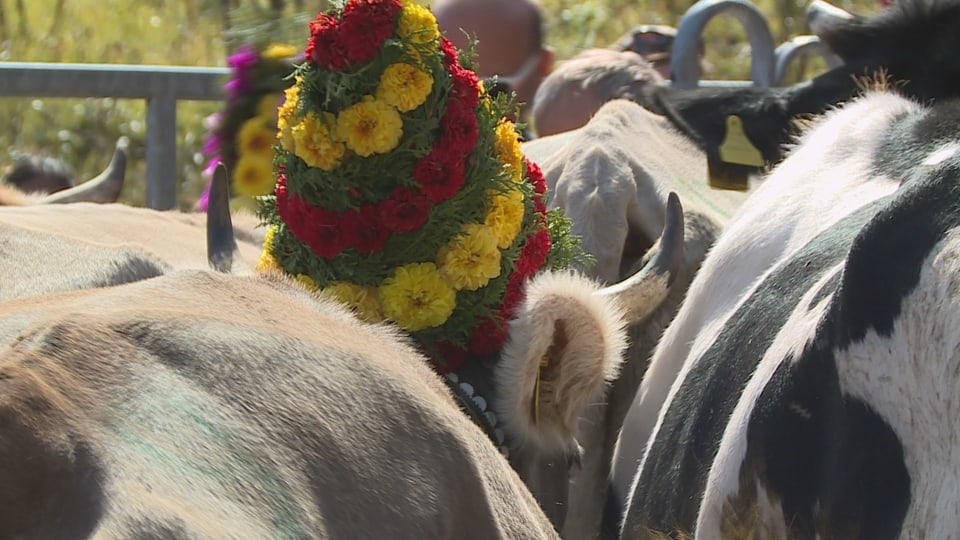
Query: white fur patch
[(581, 358), (942, 154), (912, 380)]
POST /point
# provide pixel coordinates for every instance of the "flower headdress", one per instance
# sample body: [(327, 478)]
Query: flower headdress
[(242, 134), (401, 187)]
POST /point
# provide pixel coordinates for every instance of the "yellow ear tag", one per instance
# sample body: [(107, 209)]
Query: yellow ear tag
[(737, 148)]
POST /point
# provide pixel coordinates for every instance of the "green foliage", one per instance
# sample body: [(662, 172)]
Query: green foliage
[(83, 131)]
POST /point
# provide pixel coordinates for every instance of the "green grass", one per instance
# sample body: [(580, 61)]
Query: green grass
[(190, 33)]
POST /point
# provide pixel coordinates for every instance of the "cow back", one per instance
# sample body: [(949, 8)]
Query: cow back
[(207, 405)]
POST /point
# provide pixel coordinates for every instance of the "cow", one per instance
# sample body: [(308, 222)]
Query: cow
[(609, 178), (808, 385), (201, 403), (103, 188), (611, 175), (58, 247)]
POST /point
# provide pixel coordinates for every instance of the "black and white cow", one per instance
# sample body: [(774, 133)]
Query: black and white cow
[(612, 176), (808, 387)]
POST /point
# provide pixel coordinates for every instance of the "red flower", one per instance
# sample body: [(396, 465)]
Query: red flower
[(449, 53), (440, 176), (514, 293), (288, 208), (366, 25), (535, 178), (323, 233), (446, 356), (324, 47), (458, 130), (489, 336), (362, 230), (465, 86), (534, 253), (405, 210)]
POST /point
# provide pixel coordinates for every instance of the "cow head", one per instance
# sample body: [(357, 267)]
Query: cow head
[(565, 344), (912, 43), (103, 188)]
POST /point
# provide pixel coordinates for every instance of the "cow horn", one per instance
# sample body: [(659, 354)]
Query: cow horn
[(643, 292), (221, 243), (823, 16), (104, 188)]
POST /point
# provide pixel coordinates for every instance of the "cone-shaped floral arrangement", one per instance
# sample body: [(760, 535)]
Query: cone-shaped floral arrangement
[(401, 187)]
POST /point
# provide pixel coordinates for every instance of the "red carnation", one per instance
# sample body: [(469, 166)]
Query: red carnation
[(465, 86), (534, 253), (363, 231), (449, 53), (405, 210), (535, 178), (440, 176), (446, 356), (324, 47), (289, 208), (323, 233), (489, 336), (514, 293), (458, 130), (366, 25)]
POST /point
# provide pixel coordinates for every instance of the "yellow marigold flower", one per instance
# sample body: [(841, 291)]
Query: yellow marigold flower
[(314, 142), (254, 175), (370, 127), (404, 86), (364, 301), (417, 23), (416, 297), (276, 51), (471, 260), (507, 148), (287, 115), (505, 216), (255, 138), (307, 282), (267, 107), (267, 260), (268, 239)]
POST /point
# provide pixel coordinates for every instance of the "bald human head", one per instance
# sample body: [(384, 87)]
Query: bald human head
[(509, 35)]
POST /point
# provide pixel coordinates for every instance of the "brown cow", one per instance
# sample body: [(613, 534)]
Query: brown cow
[(204, 404), (50, 248)]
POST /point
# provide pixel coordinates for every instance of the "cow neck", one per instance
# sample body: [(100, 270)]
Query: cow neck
[(471, 386)]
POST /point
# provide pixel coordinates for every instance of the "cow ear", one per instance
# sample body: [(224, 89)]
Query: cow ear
[(565, 343)]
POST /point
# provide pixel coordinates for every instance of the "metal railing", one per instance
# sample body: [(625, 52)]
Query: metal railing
[(768, 65), (160, 86)]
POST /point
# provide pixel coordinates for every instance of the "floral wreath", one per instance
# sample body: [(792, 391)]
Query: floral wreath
[(241, 136), (401, 188)]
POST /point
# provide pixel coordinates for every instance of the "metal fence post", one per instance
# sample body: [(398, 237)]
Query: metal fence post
[(161, 153)]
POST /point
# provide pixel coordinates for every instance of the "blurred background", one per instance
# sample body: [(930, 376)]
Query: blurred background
[(82, 132)]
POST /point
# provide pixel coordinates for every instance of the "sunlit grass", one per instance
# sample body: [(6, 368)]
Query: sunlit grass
[(83, 131)]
